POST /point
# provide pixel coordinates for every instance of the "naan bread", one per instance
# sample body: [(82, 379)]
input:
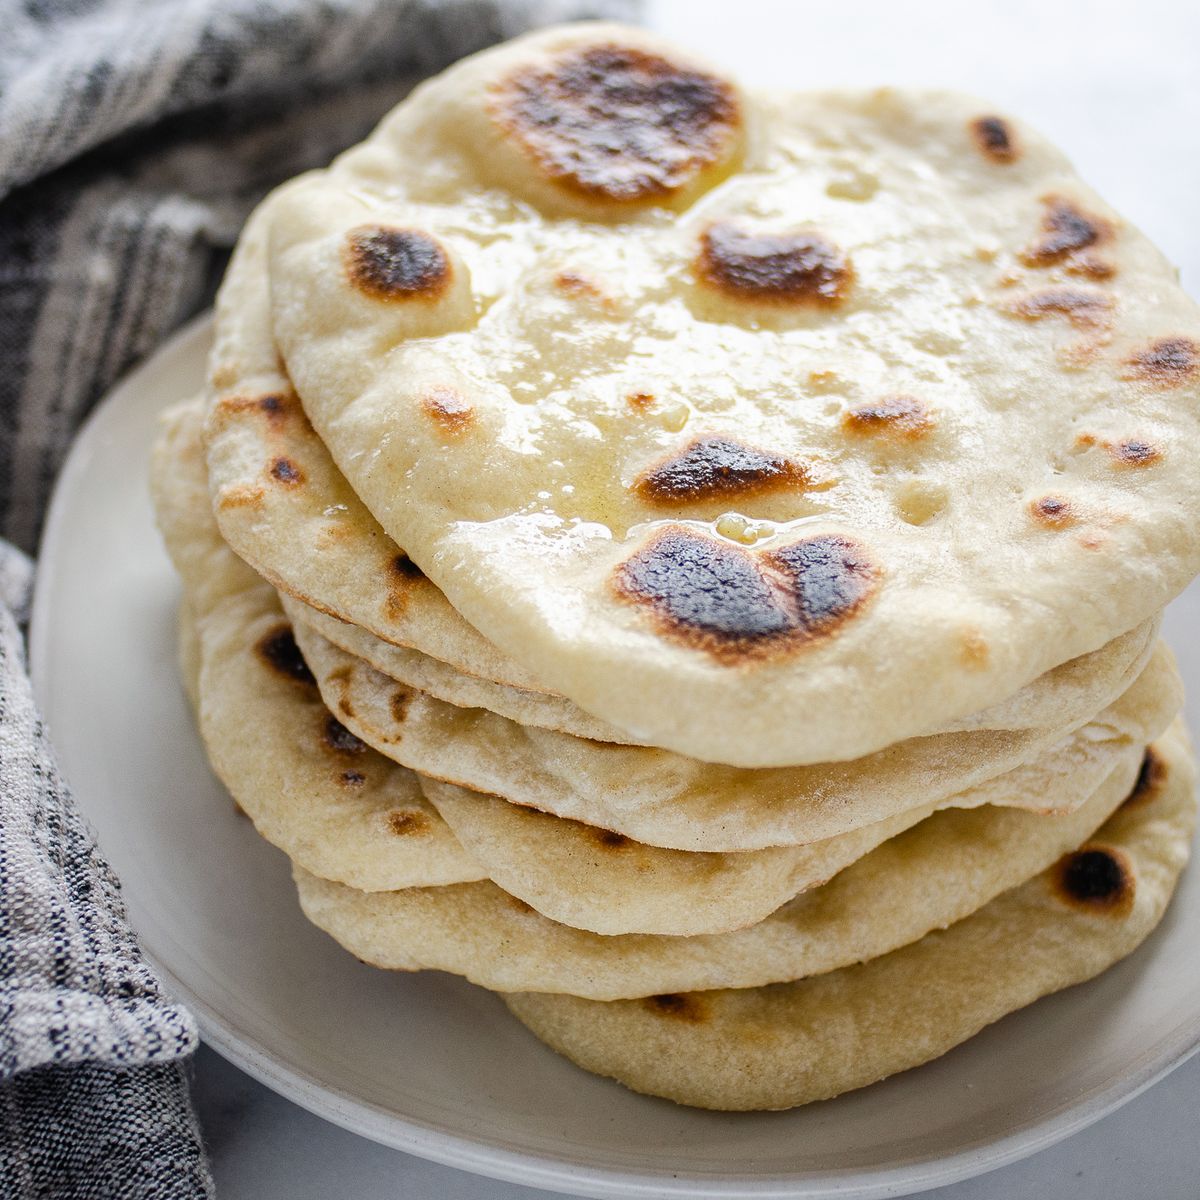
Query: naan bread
[(325, 798), (440, 679), (602, 881), (307, 532), (309, 785), (1074, 691), (289, 779), (771, 429), (663, 799), (931, 876), (179, 490), (776, 1047), (287, 760)]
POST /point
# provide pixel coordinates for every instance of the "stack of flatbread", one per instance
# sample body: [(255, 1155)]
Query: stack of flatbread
[(691, 562)]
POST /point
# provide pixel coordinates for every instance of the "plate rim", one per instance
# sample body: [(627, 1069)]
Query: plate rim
[(482, 1156)]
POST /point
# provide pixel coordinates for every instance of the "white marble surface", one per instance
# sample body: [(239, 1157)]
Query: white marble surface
[(1118, 85)]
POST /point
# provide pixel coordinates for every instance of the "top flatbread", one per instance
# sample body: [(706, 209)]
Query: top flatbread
[(770, 429), (302, 527)]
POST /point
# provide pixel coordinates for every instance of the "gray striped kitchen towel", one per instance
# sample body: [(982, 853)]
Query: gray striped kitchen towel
[(135, 135)]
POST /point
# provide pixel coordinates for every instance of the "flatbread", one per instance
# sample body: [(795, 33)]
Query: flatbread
[(289, 775), (312, 788), (179, 490), (602, 881), (309, 785), (776, 1047), (318, 544), (771, 429), (572, 873), (1074, 691), (441, 680), (663, 799), (931, 876), (288, 763)]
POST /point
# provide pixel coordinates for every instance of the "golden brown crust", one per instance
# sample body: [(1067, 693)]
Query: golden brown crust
[(284, 470), (995, 139), (278, 650), (803, 269), (716, 467), (902, 418), (276, 406), (1135, 453), (1084, 307), (407, 824), (392, 264), (616, 123), (1151, 779), (739, 606), (686, 1006), (1070, 237), (1097, 878), (1053, 511), (450, 411), (1166, 363)]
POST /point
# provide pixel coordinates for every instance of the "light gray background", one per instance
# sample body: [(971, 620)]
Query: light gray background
[(1116, 84)]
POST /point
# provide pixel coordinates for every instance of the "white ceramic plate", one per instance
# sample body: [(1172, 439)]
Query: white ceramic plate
[(428, 1063)]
